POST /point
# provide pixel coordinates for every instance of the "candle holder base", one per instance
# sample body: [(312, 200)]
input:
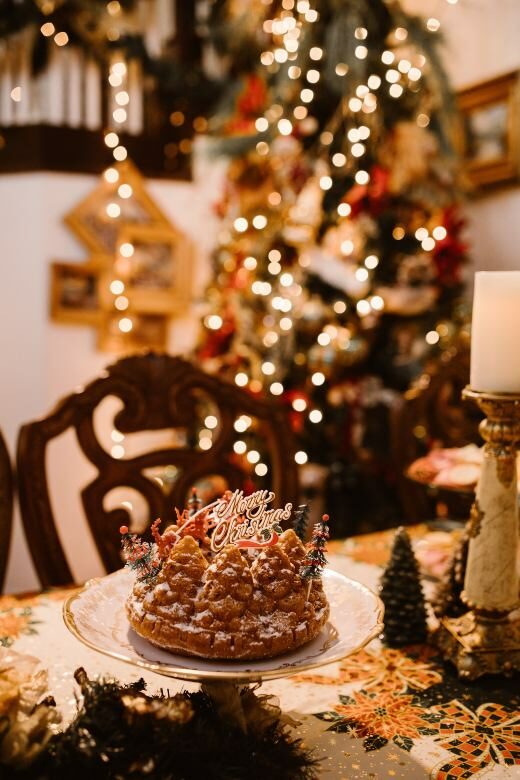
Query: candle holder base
[(481, 644)]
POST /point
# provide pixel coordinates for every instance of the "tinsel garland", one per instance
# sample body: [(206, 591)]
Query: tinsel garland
[(121, 732)]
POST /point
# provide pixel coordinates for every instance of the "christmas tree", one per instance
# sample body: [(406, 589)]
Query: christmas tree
[(402, 595), (139, 556), (315, 560), (301, 521), (338, 264)]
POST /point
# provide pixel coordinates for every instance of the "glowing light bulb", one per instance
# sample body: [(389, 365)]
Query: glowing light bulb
[(119, 115), (361, 274), (362, 177), (125, 191), (261, 469), (318, 378), (211, 421), (301, 457), (253, 456), (126, 249), (241, 224), (344, 209), (241, 379), (340, 307), (323, 339), (285, 126), (116, 287), (261, 124), (371, 262), (120, 153), (315, 416), (213, 322), (259, 221), (432, 337), (111, 140), (240, 447), (125, 324), (111, 175), (113, 210), (268, 368), (276, 388), (325, 182), (439, 233), (363, 307), (121, 303), (299, 404), (250, 263)]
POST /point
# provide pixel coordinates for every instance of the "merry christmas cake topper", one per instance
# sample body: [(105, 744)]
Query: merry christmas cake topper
[(247, 521)]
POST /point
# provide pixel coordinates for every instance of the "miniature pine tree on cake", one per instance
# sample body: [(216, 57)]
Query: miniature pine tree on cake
[(194, 502), (402, 595), (447, 601), (315, 560), (139, 556), (301, 521)]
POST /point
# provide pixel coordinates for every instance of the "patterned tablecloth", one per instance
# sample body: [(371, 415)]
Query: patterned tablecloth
[(381, 713)]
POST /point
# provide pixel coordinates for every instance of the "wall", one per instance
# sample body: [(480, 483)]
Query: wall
[(481, 42), (42, 361)]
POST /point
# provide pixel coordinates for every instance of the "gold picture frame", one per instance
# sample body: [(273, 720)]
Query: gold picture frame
[(149, 331), (98, 231), (157, 276), (75, 291), (489, 135)]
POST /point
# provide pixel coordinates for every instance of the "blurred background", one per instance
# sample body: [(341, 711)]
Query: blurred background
[(293, 195)]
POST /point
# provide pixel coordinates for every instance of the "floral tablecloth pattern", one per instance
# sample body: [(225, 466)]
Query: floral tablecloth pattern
[(380, 713)]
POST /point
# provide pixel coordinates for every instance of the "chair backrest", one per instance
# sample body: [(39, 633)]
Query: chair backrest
[(157, 392), (6, 508), (432, 413)]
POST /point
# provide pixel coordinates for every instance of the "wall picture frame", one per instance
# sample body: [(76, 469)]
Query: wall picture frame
[(149, 331), (489, 134), (157, 276), (91, 222), (75, 291)]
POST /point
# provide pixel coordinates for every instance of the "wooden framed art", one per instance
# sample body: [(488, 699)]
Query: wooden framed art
[(157, 274), (490, 130), (125, 198), (148, 331), (75, 292)]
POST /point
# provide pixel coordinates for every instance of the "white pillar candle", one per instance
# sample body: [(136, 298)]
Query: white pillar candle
[(495, 332)]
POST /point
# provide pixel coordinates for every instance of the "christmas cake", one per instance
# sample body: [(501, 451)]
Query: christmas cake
[(257, 597)]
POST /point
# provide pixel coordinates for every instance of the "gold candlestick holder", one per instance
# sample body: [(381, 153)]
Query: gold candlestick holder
[(487, 638)]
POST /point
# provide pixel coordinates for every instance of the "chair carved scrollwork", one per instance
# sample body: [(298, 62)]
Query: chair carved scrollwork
[(157, 392), (6, 508), (432, 413)]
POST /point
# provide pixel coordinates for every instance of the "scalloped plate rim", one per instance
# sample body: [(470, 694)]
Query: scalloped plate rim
[(247, 676)]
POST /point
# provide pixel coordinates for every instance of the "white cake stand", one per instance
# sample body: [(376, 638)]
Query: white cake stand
[(96, 616)]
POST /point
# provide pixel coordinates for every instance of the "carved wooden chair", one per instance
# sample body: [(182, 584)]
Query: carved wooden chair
[(6, 508), (432, 413), (157, 392)]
